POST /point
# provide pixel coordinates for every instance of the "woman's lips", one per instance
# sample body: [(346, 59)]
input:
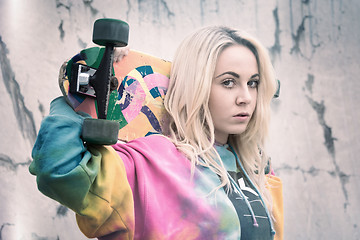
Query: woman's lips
[(242, 116)]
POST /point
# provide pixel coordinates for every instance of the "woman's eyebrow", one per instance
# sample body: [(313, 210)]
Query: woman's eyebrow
[(234, 74), (255, 75)]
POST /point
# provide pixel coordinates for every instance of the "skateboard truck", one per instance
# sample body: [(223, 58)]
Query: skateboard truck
[(110, 33), (100, 82)]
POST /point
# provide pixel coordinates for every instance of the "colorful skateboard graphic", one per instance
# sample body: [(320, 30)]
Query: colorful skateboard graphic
[(136, 104)]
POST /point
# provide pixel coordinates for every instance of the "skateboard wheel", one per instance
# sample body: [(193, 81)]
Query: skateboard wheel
[(109, 31), (100, 131)]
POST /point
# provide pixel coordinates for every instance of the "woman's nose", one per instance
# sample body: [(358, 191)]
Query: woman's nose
[(243, 96)]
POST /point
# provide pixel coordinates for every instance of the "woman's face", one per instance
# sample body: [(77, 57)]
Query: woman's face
[(233, 92)]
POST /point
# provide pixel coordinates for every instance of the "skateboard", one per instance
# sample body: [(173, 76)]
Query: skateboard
[(131, 106)]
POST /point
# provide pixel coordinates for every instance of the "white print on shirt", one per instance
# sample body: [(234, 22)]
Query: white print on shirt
[(237, 191), (245, 188)]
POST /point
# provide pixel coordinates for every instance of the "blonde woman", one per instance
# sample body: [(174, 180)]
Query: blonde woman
[(205, 178)]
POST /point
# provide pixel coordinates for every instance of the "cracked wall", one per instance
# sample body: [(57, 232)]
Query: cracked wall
[(314, 131)]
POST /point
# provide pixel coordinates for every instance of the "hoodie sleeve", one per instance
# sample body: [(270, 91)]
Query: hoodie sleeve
[(89, 180)]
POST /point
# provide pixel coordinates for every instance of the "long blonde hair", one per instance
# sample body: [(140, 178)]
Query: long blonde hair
[(190, 125)]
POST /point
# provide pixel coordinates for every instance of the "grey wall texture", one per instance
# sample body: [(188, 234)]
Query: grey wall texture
[(314, 46)]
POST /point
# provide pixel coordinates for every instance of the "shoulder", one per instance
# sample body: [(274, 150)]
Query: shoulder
[(153, 144), (154, 152), (153, 141)]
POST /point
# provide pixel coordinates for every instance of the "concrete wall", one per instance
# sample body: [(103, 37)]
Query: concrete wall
[(315, 49)]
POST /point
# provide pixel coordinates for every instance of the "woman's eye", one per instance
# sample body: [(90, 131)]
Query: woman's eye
[(253, 83), (228, 83)]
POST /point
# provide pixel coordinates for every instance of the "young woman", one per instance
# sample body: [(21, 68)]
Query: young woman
[(206, 177)]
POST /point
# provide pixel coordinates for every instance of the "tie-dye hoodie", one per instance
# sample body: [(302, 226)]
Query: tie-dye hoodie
[(139, 190)]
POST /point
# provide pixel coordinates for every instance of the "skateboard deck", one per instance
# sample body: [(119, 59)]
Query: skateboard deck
[(136, 104)]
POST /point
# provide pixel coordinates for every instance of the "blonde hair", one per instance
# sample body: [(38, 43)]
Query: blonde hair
[(190, 125)]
